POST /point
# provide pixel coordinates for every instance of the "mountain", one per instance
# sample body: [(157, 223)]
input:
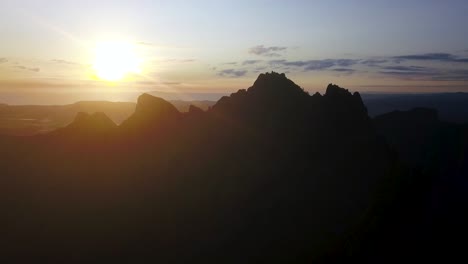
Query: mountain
[(151, 113), (27, 120), (425, 205), (183, 106), (452, 107), (269, 174), (84, 123)]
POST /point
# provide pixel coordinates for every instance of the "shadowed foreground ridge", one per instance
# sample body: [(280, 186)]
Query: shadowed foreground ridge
[(267, 175)]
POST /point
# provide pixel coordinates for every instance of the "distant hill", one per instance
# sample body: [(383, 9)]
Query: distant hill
[(33, 119), (452, 107)]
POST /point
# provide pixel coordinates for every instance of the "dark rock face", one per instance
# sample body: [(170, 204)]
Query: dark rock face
[(151, 113)]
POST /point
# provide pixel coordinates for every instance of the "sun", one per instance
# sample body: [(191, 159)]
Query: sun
[(114, 60)]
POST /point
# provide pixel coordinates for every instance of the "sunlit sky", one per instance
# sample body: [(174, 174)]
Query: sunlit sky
[(48, 48)]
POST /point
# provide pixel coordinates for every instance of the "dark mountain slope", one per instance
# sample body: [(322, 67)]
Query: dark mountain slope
[(150, 113), (421, 213)]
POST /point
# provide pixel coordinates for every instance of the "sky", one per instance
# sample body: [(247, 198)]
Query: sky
[(48, 48)]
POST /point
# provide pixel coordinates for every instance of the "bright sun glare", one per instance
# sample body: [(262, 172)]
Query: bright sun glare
[(114, 60)]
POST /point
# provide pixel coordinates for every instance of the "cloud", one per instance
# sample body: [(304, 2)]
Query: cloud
[(374, 62), (408, 72), (425, 73), (172, 83), (3, 60), (250, 62), (65, 62), (273, 62), (175, 60), (406, 68), (27, 68), (142, 43), (442, 57), (187, 60), (344, 70), (272, 51), (316, 65), (230, 63), (232, 73), (153, 83)]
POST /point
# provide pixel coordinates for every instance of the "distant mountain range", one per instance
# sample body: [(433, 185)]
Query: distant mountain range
[(33, 119), (452, 107)]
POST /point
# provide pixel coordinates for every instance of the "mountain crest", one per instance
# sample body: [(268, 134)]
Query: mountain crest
[(335, 90), (271, 90), (275, 83), (151, 111), (89, 124)]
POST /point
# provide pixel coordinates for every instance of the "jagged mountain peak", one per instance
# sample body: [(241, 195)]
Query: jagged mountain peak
[(275, 83), (270, 90), (335, 90)]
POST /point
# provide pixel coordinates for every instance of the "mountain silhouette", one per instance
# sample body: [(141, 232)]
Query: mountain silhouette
[(269, 174), (194, 109), (150, 113), (87, 125), (28, 120)]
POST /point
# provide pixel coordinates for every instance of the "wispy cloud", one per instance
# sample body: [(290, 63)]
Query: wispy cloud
[(442, 57), (316, 65), (250, 62), (374, 62), (3, 60), (344, 70), (187, 60), (153, 83), (65, 62), (232, 73), (142, 43), (175, 60), (28, 68), (273, 51), (425, 73), (427, 67), (172, 83), (406, 68)]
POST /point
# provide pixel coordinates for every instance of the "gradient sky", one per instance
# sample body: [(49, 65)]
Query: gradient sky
[(46, 52)]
